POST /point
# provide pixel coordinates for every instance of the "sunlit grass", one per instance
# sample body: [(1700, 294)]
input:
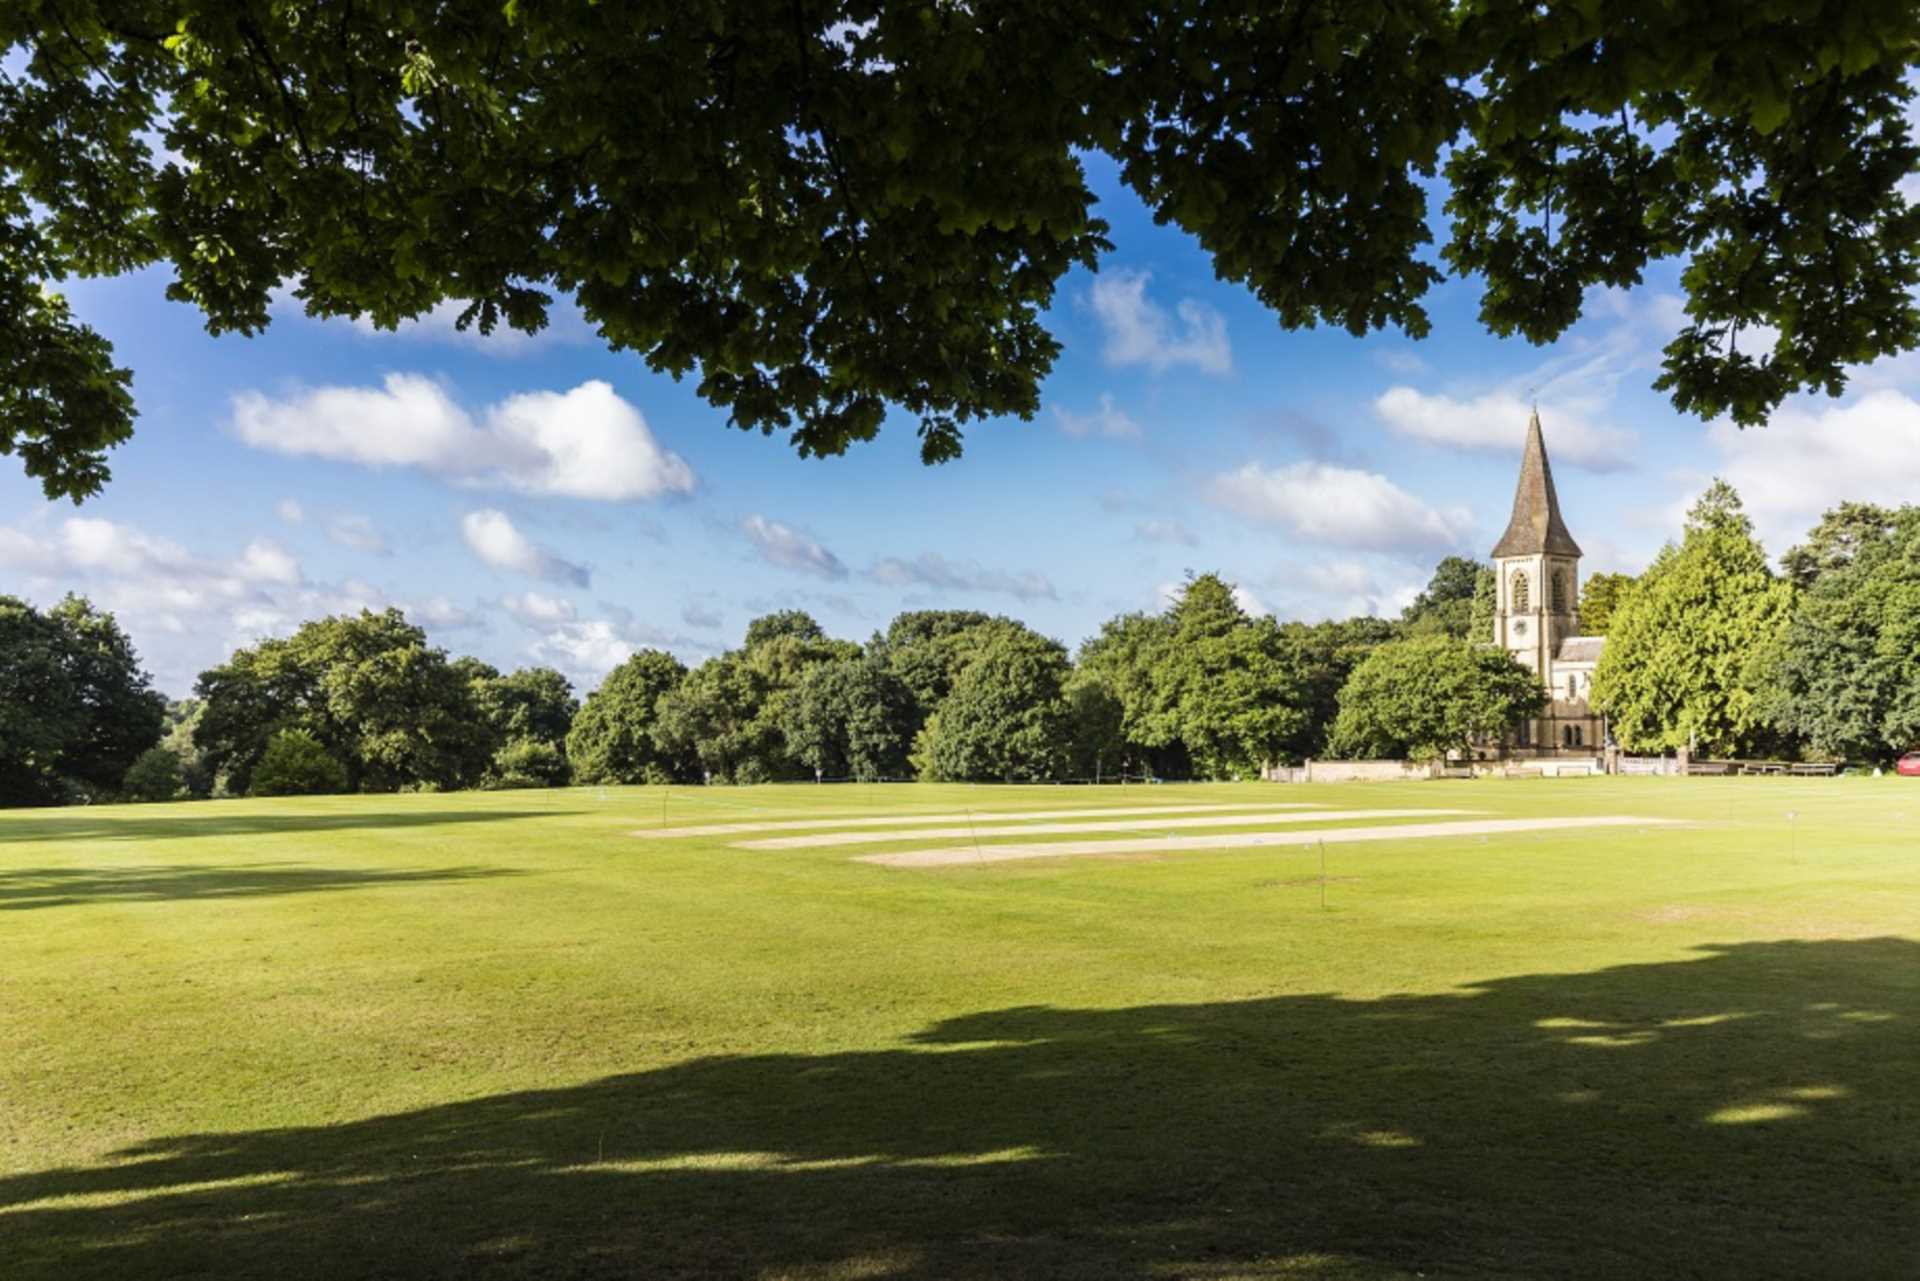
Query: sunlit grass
[(499, 1034)]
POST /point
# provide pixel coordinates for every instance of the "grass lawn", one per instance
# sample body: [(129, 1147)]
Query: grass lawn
[(496, 1035)]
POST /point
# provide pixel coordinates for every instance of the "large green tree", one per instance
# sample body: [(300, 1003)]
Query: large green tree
[(611, 739), (76, 710), (1678, 667), (926, 649), (1845, 673), (1229, 687), (1839, 537), (1006, 719), (1126, 658), (391, 709), (529, 711), (1600, 596), (1447, 606), (850, 718), (718, 717), (1424, 697), (829, 210)]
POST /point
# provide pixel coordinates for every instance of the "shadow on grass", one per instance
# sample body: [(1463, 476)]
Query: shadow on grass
[(25, 888), (1748, 1113), (163, 822)]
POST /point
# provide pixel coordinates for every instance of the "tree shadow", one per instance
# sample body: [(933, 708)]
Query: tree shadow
[(1749, 1113), (25, 888), (165, 822)]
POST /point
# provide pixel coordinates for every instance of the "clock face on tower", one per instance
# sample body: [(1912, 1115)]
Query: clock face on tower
[(1519, 627)]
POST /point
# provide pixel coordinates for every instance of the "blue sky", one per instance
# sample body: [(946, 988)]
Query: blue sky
[(543, 500)]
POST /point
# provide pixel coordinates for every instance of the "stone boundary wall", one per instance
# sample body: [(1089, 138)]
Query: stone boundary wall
[(1349, 772), (1408, 771)]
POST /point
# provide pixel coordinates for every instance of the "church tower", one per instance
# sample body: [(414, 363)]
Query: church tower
[(1538, 564)]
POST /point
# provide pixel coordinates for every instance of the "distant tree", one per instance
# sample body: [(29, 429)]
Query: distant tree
[(183, 715), (852, 717), (1486, 602), (1423, 697), (926, 649), (1328, 652), (1678, 666), (612, 737), (1836, 540), (1006, 719), (1096, 715), (1445, 608), (1600, 596), (527, 762), (1231, 689), (392, 710), (531, 705), (76, 711), (715, 716), (1126, 658), (155, 775), (796, 624), (296, 764), (1844, 674)]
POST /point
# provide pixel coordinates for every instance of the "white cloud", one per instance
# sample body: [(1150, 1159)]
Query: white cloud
[(1248, 602), (442, 614), (584, 443), (590, 444), (585, 651), (1496, 423), (1813, 455), (358, 533), (491, 536), (1140, 332), (931, 569), (1340, 506), (265, 561), (1164, 531), (290, 511), (536, 610), (787, 548), (184, 610), (1108, 420), (699, 614)]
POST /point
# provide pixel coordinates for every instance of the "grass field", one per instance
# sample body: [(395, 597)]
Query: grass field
[(499, 1035)]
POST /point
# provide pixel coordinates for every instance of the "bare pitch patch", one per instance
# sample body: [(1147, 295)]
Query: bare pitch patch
[(909, 820), (1244, 840), (974, 830)]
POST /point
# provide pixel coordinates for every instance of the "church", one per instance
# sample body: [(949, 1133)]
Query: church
[(1536, 617)]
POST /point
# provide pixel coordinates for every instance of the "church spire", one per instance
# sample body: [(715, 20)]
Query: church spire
[(1536, 527)]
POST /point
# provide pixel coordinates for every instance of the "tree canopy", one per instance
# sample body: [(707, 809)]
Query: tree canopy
[(1679, 665), (830, 210), (1845, 673), (389, 709), (1452, 602), (1429, 695), (76, 710), (1600, 596), (612, 739)]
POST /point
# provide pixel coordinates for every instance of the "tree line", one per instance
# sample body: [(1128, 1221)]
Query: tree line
[(364, 702), (1711, 647)]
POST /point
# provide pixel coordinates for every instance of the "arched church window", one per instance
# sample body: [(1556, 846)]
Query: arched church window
[(1520, 599), (1573, 687), (1559, 591)]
